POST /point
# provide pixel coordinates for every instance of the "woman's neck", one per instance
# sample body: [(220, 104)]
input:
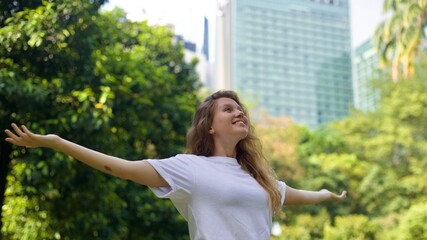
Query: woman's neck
[(226, 152)]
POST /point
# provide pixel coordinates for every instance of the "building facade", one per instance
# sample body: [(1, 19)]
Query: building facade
[(204, 67), (365, 70), (289, 57)]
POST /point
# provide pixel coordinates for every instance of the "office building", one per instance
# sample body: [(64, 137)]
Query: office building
[(289, 57), (203, 68), (365, 70)]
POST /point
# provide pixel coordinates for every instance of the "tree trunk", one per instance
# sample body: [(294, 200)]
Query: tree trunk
[(5, 151)]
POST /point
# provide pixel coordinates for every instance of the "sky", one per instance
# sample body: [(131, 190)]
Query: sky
[(187, 16), (365, 16)]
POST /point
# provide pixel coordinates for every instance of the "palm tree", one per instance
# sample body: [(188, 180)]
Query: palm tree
[(398, 38)]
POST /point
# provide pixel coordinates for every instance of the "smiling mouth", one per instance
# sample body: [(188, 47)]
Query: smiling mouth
[(239, 121)]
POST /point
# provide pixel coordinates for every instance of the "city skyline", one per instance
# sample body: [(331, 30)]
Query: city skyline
[(188, 15), (360, 21)]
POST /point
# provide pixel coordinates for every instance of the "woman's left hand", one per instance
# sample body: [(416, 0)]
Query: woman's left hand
[(335, 197)]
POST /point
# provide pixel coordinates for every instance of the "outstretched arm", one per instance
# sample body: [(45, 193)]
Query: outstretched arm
[(304, 197), (138, 171)]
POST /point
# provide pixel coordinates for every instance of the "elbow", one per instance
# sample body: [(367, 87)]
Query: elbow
[(116, 172)]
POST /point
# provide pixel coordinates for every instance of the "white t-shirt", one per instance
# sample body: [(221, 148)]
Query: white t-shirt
[(217, 197)]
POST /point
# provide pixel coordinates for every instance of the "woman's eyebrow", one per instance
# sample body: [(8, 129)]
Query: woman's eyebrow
[(229, 105), (232, 106)]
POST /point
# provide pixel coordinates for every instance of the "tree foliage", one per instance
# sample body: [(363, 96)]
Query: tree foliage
[(105, 82), (413, 224), (280, 138), (351, 227), (399, 37)]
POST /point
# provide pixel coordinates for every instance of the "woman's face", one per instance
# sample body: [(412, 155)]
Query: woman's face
[(229, 121)]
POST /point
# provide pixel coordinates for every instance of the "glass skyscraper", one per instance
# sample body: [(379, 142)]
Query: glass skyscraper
[(365, 69), (290, 57)]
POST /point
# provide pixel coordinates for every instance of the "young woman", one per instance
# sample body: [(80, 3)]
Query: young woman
[(224, 186)]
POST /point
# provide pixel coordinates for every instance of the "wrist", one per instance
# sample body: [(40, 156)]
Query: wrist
[(52, 141), (326, 195)]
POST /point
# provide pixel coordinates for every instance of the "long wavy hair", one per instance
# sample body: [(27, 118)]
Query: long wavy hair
[(248, 150)]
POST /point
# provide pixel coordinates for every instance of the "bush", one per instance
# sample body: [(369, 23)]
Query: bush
[(354, 227), (414, 223)]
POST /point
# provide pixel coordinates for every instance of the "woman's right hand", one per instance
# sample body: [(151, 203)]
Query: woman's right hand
[(25, 138)]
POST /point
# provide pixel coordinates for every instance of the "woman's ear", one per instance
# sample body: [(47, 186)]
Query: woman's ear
[(211, 131)]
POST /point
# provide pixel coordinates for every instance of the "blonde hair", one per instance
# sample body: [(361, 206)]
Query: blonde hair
[(248, 150)]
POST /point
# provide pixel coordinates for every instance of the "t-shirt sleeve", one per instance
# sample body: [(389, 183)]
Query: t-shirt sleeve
[(282, 189), (178, 173)]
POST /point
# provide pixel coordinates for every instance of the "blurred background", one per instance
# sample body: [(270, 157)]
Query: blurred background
[(336, 90)]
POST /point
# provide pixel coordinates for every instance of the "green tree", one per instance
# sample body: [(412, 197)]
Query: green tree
[(392, 141), (398, 38), (280, 138), (351, 227), (413, 224), (322, 154), (117, 86), (26, 60), (308, 226)]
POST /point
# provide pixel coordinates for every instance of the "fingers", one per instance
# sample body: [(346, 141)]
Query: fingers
[(17, 130), (28, 132), (18, 137), (344, 194), (12, 137), (338, 198)]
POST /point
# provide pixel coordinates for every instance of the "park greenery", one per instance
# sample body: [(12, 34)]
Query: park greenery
[(123, 88), (110, 84), (379, 157)]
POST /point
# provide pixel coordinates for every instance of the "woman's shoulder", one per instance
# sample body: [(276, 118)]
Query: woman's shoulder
[(189, 157), (200, 160), (204, 160)]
